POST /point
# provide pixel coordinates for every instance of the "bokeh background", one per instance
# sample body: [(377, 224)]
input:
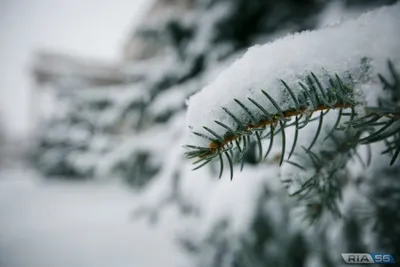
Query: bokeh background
[(92, 123)]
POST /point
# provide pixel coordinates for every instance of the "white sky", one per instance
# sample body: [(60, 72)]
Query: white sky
[(89, 28)]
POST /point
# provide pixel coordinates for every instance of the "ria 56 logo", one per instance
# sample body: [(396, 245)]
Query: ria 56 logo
[(378, 258)]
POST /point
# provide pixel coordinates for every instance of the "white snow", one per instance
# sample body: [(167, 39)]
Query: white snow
[(82, 224), (90, 224), (334, 49)]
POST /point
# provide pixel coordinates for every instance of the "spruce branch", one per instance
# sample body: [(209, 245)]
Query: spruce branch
[(320, 175), (312, 98), (382, 123)]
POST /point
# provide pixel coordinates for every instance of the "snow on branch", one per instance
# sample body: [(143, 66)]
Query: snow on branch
[(283, 83)]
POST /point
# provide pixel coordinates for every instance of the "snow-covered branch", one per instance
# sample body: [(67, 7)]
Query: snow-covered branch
[(284, 82)]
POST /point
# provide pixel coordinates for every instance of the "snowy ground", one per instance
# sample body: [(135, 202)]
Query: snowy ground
[(58, 223)]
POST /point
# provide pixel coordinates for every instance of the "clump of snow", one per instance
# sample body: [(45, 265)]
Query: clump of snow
[(335, 49)]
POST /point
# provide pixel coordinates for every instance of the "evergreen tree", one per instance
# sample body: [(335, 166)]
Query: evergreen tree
[(332, 202), (317, 168)]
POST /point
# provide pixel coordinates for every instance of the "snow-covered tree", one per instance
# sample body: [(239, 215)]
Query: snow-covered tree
[(303, 115), (323, 94)]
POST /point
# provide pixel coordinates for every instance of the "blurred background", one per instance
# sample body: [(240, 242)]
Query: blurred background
[(92, 122)]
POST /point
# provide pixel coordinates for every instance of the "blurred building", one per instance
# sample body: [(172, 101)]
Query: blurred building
[(53, 68)]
